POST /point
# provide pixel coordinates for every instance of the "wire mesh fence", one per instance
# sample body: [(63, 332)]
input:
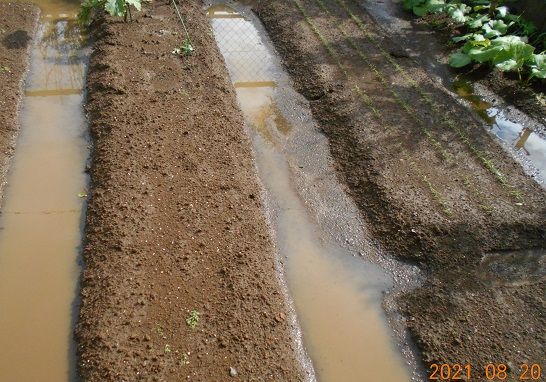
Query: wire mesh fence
[(247, 59)]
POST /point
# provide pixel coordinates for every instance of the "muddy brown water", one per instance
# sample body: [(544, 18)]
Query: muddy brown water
[(337, 296), (40, 224)]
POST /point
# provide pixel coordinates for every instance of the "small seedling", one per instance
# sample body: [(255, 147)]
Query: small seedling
[(186, 49), (184, 360), (160, 331), (193, 319), (5, 69), (167, 349)]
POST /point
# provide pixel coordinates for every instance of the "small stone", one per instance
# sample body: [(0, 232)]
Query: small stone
[(232, 372)]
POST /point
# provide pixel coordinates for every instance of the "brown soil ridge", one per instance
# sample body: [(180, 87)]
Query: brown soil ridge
[(17, 28), (420, 168), (175, 221)]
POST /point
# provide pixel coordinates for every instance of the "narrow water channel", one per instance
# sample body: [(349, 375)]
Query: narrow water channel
[(337, 295), (42, 212)]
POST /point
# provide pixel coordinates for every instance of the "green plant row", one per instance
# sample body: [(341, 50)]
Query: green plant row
[(364, 97), (368, 101), (446, 120), (495, 36), (433, 191), (484, 202), (405, 106)]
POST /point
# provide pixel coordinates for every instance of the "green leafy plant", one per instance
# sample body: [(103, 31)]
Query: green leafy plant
[(494, 36), (494, 28), (186, 49), (457, 11), (506, 53), (193, 319), (117, 8), (538, 66)]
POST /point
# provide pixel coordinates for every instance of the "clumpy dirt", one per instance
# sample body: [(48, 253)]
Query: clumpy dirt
[(17, 27), (175, 222), (427, 178)]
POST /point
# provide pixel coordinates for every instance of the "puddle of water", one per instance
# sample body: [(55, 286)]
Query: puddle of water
[(40, 224), (513, 268), (521, 139), (58, 8), (337, 297), (464, 89)]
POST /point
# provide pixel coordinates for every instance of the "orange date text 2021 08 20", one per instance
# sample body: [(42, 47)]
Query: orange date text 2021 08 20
[(489, 372)]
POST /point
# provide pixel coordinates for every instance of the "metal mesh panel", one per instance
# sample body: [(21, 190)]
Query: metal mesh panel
[(246, 56)]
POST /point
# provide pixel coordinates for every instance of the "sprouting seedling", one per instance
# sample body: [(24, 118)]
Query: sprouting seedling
[(167, 349), (184, 359), (193, 319), (185, 49), (160, 331)]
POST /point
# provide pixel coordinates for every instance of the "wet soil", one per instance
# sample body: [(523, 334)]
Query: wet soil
[(17, 27), (175, 221), (431, 46), (436, 189)]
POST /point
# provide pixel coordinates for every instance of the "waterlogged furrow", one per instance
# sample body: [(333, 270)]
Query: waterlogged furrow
[(340, 325), (40, 225)]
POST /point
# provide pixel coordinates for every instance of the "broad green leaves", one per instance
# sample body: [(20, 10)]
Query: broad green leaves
[(512, 53), (117, 8), (476, 21), (423, 7), (494, 28), (538, 66), (459, 59), (457, 12), (506, 53), (135, 3), (87, 8), (493, 35)]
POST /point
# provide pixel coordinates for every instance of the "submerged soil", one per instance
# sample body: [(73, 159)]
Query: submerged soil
[(175, 222), (434, 186), (17, 27)]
